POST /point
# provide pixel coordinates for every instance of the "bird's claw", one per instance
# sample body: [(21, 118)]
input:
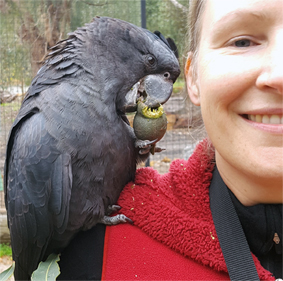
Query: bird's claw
[(120, 218), (145, 146), (159, 149), (144, 143), (112, 209), (156, 149)]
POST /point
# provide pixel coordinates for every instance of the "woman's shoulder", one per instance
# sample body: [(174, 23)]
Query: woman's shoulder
[(131, 254), (186, 184)]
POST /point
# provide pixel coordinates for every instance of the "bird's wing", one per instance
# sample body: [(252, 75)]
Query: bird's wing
[(38, 180)]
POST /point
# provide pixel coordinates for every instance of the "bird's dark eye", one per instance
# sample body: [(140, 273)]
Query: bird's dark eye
[(151, 60)]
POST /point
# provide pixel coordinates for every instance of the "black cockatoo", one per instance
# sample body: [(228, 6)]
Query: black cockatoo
[(71, 150)]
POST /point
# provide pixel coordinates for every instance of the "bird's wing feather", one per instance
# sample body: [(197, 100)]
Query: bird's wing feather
[(38, 190)]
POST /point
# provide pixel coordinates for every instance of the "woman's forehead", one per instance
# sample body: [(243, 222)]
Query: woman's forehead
[(219, 15), (225, 10)]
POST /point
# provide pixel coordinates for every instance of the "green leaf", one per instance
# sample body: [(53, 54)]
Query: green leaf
[(47, 270), (6, 274)]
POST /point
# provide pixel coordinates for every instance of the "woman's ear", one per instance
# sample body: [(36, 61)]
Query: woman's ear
[(191, 82)]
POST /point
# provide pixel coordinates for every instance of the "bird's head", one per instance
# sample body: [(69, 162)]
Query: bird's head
[(133, 62), (115, 61)]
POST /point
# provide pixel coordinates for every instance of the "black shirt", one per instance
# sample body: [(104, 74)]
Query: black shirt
[(262, 225)]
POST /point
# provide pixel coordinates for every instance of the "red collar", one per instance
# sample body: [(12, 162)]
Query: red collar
[(174, 208)]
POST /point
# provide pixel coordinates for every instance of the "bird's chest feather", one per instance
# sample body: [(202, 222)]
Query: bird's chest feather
[(103, 162), (101, 169), (84, 130), (100, 143)]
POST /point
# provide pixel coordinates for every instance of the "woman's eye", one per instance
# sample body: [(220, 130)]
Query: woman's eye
[(242, 43)]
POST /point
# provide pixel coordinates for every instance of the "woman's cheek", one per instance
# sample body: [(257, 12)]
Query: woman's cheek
[(224, 78)]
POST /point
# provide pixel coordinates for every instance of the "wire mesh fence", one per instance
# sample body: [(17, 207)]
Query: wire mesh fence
[(28, 28)]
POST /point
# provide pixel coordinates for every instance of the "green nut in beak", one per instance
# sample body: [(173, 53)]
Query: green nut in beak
[(149, 124), (152, 113)]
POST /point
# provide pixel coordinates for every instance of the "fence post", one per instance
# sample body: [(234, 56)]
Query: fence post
[(143, 25), (143, 13)]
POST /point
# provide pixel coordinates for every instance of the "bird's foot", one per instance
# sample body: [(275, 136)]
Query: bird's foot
[(145, 146), (112, 209), (120, 218), (156, 149)]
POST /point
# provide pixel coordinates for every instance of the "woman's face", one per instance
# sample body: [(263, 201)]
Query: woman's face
[(239, 85)]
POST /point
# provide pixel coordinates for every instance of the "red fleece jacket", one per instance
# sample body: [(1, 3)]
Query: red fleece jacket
[(172, 209)]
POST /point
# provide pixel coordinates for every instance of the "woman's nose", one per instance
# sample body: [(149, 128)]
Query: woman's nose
[(271, 76)]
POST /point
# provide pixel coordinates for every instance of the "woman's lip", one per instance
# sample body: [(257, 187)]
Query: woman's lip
[(267, 127), (265, 111)]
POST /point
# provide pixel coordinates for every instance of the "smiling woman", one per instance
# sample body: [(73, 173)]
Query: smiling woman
[(218, 215), (239, 88)]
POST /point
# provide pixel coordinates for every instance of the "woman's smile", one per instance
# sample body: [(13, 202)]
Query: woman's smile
[(266, 119), (264, 122)]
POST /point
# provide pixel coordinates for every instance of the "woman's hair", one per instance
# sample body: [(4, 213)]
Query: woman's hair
[(196, 8), (195, 11)]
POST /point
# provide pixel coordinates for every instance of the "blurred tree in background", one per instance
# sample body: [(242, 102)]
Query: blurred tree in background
[(28, 28)]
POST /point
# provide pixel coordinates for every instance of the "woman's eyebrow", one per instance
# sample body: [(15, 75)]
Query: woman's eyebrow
[(240, 15), (232, 20)]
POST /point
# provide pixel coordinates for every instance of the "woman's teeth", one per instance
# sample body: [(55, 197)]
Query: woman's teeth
[(266, 119)]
